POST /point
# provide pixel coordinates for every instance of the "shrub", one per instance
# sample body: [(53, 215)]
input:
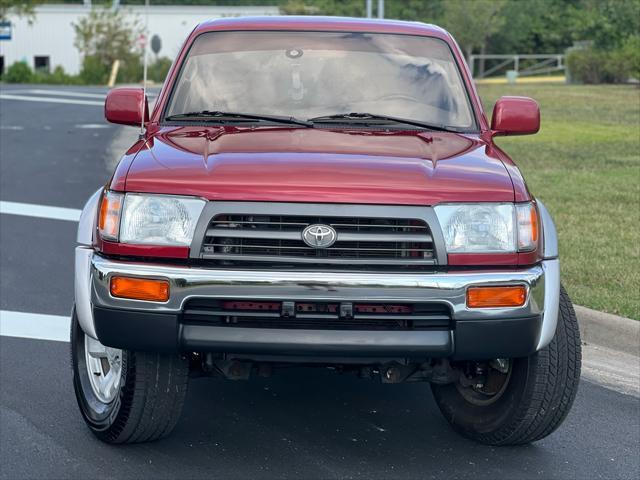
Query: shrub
[(57, 77), (93, 71), (582, 66), (159, 69), (616, 67), (631, 52), (19, 72), (130, 70), (599, 66)]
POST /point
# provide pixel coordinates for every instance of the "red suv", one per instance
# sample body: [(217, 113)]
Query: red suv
[(321, 192)]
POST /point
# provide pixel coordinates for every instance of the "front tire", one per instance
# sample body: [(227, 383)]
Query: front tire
[(142, 403), (534, 399)]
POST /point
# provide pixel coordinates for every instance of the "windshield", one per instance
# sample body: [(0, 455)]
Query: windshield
[(315, 74)]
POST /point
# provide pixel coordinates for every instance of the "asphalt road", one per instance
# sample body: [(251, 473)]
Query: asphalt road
[(299, 424)]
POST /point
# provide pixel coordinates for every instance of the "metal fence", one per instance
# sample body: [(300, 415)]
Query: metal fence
[(483, 66)]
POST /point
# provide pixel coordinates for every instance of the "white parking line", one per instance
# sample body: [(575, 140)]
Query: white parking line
[(24, 98), (40, 211), (63, 93), (92, 126), (34, 325), (66, 93)]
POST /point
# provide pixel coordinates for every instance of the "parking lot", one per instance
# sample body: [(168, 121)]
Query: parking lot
[(55, 150)]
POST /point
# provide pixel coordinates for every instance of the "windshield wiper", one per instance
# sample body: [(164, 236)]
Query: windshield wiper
[(375, 119), (218, 116)]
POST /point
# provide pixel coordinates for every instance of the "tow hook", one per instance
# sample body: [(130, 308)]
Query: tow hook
[(500, 364), (392, 375)]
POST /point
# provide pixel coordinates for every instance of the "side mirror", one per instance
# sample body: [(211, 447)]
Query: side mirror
[(126, 106), (515, 116)]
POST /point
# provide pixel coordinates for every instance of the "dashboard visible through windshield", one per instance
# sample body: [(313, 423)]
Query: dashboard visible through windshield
[(315, 74)]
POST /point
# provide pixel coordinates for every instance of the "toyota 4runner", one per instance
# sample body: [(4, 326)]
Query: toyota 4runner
[(321, 192)]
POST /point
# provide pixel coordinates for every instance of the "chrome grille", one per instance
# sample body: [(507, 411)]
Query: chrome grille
[(278, 238)]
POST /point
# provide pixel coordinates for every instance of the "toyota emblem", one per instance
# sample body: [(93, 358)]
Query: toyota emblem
[(319, 236)]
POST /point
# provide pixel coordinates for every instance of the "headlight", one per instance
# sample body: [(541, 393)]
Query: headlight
[(488, 227), (159, 219), (150, 219)]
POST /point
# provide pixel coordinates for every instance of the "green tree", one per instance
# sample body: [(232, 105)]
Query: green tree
[(348, 8), (631, 51), (608, 23), (18, 7), (105, 36), (416, 10), (534, 26), (472, 22)]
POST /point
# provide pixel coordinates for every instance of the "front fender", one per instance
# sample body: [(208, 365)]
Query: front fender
[(551, 266), (84, 252), (88, 219)]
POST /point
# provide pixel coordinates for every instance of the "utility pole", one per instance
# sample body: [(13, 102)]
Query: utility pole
[(380, 8), (144, 63), (369, 8)]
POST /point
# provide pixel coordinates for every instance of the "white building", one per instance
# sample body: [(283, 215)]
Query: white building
[(48, 40)]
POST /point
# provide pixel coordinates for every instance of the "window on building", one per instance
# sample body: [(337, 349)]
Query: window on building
[(41, 63)]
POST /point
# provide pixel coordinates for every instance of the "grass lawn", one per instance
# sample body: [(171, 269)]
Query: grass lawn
[(585, 166)]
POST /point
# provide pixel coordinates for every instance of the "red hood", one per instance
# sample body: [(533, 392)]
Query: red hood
[(319, 165)]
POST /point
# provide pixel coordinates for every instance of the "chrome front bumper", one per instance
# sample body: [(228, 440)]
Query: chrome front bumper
[(93, 273)]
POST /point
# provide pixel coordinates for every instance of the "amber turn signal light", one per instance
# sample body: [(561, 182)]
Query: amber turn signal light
[(140, 289), (493, 297), (109, 219)]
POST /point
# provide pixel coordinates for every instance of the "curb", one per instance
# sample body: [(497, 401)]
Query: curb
[(610, 331)]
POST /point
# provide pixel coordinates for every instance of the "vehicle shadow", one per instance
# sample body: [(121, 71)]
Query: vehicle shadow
[(314, 423), (301, 423)]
